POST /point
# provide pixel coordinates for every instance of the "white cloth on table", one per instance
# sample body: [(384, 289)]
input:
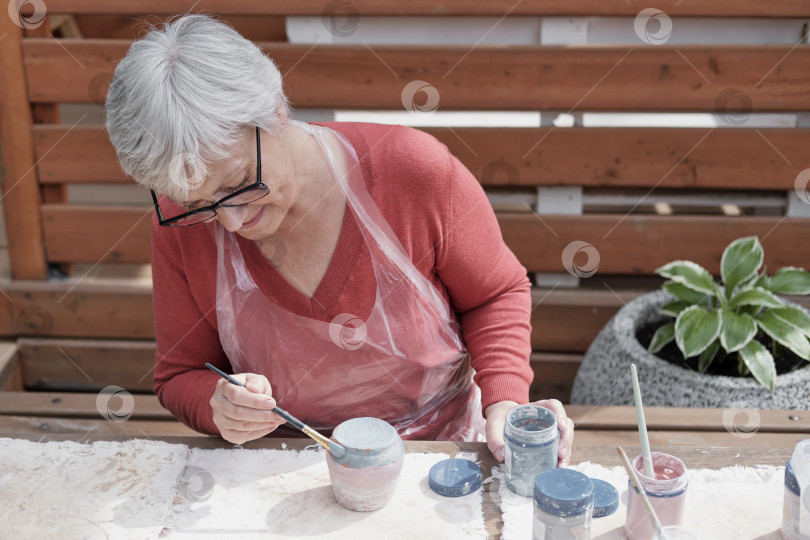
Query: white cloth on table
[(101, 490), (275, 493)]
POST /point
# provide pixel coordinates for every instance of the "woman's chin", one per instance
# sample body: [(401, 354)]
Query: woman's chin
[(264, 228)]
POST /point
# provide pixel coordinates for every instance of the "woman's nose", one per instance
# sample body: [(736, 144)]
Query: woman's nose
[(231, 217)]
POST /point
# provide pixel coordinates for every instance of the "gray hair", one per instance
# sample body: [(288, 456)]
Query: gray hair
[(181, 98)]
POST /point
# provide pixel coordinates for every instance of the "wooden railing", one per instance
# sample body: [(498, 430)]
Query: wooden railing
[(42, 156)]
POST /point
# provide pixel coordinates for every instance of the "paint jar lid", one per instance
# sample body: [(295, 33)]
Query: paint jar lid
[(563, 492), (605, 498), (455, 477)]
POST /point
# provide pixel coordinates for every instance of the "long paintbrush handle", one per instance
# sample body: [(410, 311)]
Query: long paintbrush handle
[(646, 456), (336, 449), (293, 421), (645, 502)]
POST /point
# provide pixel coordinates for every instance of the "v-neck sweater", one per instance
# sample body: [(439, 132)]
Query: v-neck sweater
[(442, 219)]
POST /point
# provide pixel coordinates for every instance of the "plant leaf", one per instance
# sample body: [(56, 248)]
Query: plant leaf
[(790, 280), (690, 274), (682, 292), (760, 362), (737, 330), (662, 336), (795, 316), (785, 333), (740, 262), (762, 280), (751, 310), (755, 297), (673, 309), (707, 356), (696, 329)]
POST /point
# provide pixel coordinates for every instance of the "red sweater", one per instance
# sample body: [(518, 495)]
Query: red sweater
[(442, 218)]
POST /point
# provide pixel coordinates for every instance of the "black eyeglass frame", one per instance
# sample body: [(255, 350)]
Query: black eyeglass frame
[(173, 221)]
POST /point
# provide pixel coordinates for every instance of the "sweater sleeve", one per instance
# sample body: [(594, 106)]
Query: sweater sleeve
[(489, 290), (185, 339)]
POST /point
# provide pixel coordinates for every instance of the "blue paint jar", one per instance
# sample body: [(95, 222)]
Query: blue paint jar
[(563, 506), (791, 505), (532, 443)]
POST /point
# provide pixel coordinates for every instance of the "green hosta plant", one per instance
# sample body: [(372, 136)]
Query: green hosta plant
[(713, 320)]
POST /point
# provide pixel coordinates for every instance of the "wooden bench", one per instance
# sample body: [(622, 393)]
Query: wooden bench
[(84, 334)]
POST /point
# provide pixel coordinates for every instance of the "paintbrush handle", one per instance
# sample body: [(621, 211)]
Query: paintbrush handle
[(646, 455), (645, 502), (293, 421), (336, 449), (224, 375)]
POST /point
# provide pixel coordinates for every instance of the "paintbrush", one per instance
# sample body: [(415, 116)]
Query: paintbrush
[(645, 502), (334, 448), (646, 456)]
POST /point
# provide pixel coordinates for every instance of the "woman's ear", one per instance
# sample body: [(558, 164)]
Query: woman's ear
[(281, 113)]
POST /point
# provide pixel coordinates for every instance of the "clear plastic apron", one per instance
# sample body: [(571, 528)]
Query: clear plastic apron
[(405, 364)]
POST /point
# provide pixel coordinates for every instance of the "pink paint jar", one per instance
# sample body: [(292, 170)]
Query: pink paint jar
[(666, 492), (365, 478)]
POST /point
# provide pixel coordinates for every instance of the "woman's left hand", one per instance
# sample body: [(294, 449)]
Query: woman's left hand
[(496, 418)]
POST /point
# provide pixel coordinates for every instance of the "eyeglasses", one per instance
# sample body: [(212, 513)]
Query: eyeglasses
[(247, 195)]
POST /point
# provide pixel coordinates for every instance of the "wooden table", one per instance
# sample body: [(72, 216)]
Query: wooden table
[(703, 438), (694, 457)]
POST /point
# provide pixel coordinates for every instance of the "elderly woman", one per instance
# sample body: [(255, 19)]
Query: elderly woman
[(339, 269)]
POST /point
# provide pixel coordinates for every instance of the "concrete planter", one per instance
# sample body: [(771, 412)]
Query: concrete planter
[(604, 376)]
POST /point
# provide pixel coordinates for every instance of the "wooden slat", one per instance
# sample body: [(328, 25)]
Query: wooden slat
[(668, 426), (592, 157), (553, 375), (766, 446), (87, 364), (700, 8), (693, 158), (82, 428), (75, 405), (7, 311), (562, 320), (635, 244), (484, 77), (111, 235), (10, 368), (710, 439), (81, 154), (682, 419), (115, 310), (640, 244), (131, 26), (20, 191), (569, 320)]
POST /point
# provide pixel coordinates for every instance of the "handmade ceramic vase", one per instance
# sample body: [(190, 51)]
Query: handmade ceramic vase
[(365, 478)]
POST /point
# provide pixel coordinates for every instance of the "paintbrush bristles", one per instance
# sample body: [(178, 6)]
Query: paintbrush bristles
[(320, 439), (332, 447)]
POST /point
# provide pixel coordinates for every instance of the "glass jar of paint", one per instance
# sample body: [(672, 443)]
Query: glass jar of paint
[(563, 505), (796, 502), (791, 505), (532, 441), (666, 492), (366, 477)]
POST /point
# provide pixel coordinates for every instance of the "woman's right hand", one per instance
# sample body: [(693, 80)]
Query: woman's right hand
[(244, 414)]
